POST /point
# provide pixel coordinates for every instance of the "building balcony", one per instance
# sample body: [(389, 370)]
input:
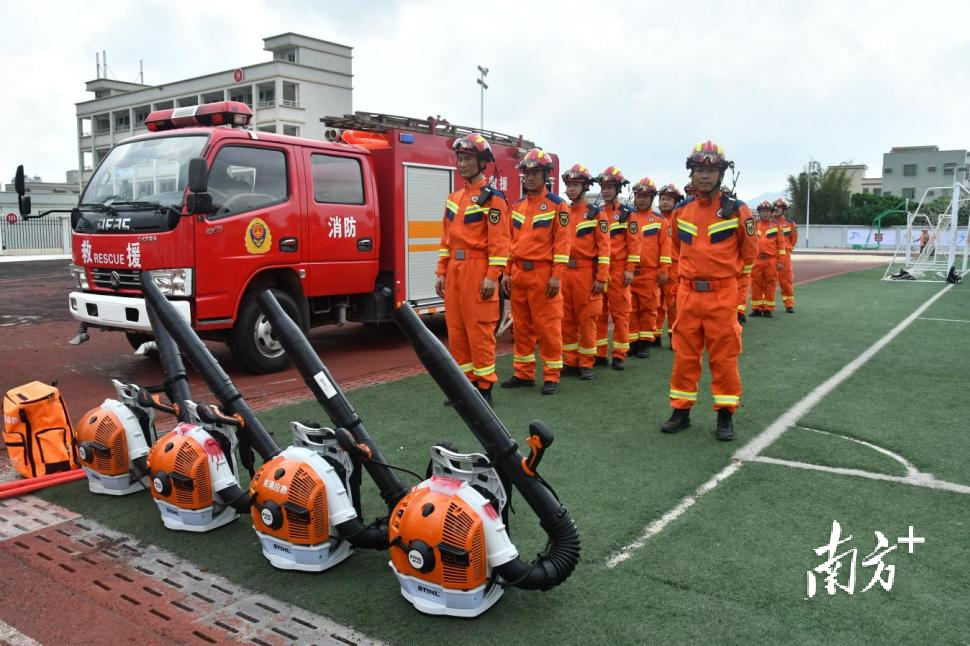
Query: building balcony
[(289, 104), (266, 104)]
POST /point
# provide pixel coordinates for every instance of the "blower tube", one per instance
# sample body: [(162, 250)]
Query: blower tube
[(559, 560), (330, 396), (176, 381), (252, 433)]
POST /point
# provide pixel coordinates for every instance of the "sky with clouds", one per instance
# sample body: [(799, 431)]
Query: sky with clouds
[(634, 84)]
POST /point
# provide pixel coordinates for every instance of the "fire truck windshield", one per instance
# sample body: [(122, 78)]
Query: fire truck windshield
[(147, 171)]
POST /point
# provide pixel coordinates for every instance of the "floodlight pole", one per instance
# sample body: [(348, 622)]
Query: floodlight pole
[(482, 73)]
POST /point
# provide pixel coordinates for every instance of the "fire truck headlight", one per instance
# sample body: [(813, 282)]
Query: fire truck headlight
[(80, 277), (174, 282)]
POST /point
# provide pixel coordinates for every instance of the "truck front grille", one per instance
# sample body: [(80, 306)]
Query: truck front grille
[(117, 279)]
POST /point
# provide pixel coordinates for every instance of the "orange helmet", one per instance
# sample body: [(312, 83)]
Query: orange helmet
[(536, 158), (474, 144), (765, 206), (781, 203), (671, 189), (689, 188), (645, 185), (707, 153), (578, 173), (612, 175)]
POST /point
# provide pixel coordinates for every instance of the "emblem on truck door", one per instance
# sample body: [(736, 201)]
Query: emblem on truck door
[(259, 239)]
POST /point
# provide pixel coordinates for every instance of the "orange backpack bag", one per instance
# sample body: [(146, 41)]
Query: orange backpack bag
[(38, 431)]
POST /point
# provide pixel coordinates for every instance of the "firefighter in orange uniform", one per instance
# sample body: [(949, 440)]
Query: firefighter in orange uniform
[(624, 257), (586, 274), (473, 254), (540, 253), (670, 196), (789, 231), (713, 236), (650, 275), (764, 277)]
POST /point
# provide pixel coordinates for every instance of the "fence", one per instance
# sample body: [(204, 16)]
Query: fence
[(47, 235), (838, 236)]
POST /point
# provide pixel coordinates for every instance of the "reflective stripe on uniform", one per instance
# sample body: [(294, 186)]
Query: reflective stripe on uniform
[(443, 252), (518, 217), (587, 351), (632, 258), (722, 226), (451, 206), (601, 342), (560, 258), (552, 364), (484, 372), (524, 358), (665, 260), (687, 227), (466, 367), (680, 394), (570, 347), (603, 260), (499, 261), (747, 269), (731, 400), (620, 346)]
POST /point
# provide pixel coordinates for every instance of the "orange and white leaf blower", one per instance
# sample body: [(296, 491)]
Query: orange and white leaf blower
[(450, 548)]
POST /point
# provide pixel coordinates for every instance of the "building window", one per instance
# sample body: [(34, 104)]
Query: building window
[(213, 97), (293, 131), (242, 94), (164, 105), (267, 96), (910, 193), (930, 193), (266, 128), (247, 178), (102, 124), (877, 191), (337, 180), (949, 167), (865, 191), (909, 170), (931, 169), (887, 171), (291, 94), (188, 100), (887, 193), (288, 55), (141, 113), (122, 121)]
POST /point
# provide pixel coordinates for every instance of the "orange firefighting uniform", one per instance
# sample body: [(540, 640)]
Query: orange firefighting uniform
[(764, 277), (668, 293), (540, 249), (710, 250), (474, 244), (589, 260), (744, 285), (624, 250), (786, 278), (654, 258)]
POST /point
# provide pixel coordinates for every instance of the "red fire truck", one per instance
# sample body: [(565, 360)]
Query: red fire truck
[(220, 212)]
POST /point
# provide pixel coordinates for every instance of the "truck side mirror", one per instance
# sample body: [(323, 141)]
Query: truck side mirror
[(198, 201), (20, 185)]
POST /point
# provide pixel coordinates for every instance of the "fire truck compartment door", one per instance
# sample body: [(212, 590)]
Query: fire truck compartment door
[(425, 190)]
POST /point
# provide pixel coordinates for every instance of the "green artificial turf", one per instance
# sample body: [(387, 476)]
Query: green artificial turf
[(732, 569)]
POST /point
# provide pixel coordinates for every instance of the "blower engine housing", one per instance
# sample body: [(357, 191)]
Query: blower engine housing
[(113, 441), (188, 470), (447, 535), (299, 498)]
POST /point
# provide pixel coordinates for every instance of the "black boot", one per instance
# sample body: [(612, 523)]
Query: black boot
[(516, 382), (768, 314), (486, 394), (656, 342), (601, 361), (742, 319), (679, 421), (618, 364), (569, 370), (755, 313), (550, 388), (585, 374), (725, 425), (790, 309), (643, 349)]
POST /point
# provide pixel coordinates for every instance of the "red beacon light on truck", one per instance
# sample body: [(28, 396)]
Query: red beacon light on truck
[(222, 113)]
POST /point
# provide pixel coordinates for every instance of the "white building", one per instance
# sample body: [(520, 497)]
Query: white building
[(306, 79)]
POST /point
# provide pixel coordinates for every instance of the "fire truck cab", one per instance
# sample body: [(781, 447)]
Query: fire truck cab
[(341, 230)]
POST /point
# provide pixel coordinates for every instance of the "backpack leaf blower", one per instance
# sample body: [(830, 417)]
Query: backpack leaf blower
[(449, 547), (192, 470), (114, 438), (306, 500)]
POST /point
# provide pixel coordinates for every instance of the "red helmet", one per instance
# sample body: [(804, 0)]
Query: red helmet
[(612, 175), (474, 144), (578, 173), (781, 203), (707, 153), (645, 185), (765, 206), (536, 158), (671, 189), (689, 188)]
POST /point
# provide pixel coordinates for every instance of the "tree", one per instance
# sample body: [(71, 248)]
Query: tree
[(864, 207), (829, 195)]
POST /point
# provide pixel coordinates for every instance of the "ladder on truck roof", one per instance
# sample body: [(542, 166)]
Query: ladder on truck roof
[(376, 122)]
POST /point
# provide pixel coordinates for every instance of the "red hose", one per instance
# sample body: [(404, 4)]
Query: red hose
[(23, 487)]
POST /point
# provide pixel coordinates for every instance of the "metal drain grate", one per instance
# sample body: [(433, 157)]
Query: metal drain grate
[(28, 514)]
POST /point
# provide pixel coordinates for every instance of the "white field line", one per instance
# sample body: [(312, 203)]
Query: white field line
[(763, 439), (12, 636), (925, 318), (918, 479)]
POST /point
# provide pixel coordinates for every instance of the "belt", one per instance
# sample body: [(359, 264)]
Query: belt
[(764, 256), (580, 263), (708, 285), (529, 265), (467, 254)]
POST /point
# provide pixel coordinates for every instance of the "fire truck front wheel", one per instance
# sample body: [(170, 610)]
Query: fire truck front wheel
[(252, 341)]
